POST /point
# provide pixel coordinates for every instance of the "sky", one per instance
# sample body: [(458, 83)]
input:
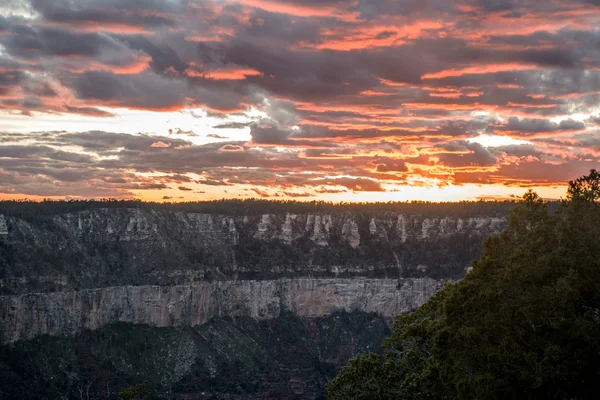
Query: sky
[(360, 100)]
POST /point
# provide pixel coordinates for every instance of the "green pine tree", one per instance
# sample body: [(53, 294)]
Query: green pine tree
[(524, 324)]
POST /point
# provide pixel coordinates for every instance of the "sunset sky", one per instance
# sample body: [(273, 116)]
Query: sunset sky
[(356, 100)]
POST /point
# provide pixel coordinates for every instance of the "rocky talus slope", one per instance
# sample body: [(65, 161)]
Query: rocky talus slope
[(215, 281)]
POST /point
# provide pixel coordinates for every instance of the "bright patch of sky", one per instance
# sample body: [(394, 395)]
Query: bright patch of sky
[(195, 122), (19, 8), (496, 141)]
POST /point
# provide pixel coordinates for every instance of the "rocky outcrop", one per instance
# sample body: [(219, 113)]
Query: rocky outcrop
[(321, 228), (70, 312), (3, 227), (350, 233)]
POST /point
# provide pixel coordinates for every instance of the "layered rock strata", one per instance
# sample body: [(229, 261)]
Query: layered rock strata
[(68, 313)]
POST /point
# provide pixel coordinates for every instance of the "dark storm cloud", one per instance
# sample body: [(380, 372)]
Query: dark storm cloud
[(22, 151)]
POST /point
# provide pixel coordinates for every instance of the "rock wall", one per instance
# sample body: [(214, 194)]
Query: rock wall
[(125, 225), (70, 272), (68, 313), (117, 247)]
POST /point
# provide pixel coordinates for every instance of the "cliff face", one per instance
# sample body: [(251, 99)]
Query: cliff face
[(67, 313), (117, 247), (87, 269), (195, 276)]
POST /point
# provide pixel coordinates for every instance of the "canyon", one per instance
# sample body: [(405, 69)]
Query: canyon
[(197, 279)]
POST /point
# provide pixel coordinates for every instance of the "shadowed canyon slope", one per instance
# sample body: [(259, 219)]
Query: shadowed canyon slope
[(69, 274)]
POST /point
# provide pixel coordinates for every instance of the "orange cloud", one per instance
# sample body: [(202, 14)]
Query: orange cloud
[(479, 69), (297, 9), (362, 37), (160, 145), (225, 74)]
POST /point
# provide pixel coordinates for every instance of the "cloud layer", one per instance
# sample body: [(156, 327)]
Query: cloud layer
[(313, 97)]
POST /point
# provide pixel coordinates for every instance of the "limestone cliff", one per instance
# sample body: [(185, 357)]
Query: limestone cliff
[(116, 247), (70, 312)]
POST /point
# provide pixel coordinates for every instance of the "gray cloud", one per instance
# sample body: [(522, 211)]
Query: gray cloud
[(107, 12), (233, 125), (146, 90), (355, 184), (91, 111), (531, 127), (476, 154)]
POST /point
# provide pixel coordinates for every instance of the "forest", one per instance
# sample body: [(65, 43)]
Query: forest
[(523, 324), (47, 208)]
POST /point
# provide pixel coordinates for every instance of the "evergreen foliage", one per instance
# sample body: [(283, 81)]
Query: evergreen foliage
[(524, 324)]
